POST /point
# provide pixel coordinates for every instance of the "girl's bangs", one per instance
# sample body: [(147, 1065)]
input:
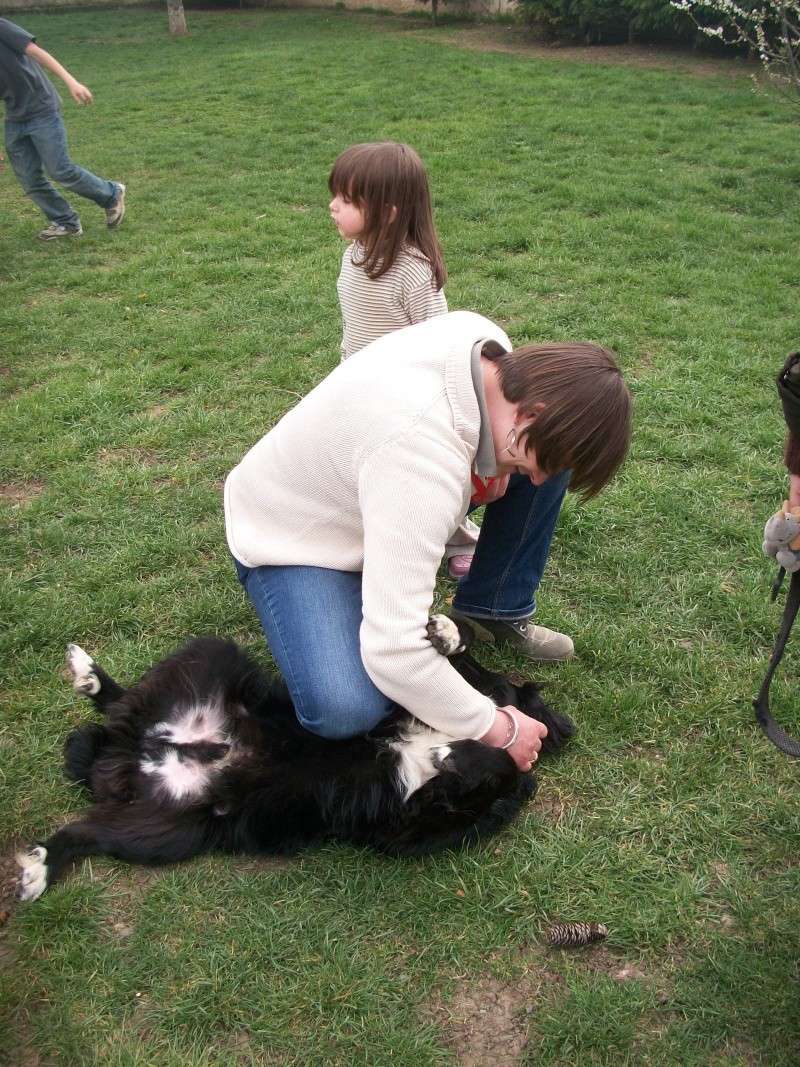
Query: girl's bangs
[(343, 180)]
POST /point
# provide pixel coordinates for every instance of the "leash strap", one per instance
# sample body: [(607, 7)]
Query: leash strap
[(774, 732)]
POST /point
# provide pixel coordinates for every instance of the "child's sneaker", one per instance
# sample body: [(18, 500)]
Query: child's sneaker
[(116, 213), (56, 230), (458, 566)]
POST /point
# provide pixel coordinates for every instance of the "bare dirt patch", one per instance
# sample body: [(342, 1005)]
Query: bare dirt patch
[(44, 297), (651, 753), (248, 865), (18, 494), (157, 411), (486, 1020), (143, 456), (9, 872), (549, 804), (511, 39)]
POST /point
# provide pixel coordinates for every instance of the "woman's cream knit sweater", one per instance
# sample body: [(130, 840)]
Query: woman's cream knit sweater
[(371, 472)]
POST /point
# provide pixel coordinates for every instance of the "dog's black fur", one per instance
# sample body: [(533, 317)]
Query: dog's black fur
[(259, 782)]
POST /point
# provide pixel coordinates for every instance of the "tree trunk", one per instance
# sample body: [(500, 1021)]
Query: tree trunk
[(177, 19), (435, 11)]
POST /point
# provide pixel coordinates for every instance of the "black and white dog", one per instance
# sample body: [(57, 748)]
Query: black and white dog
[(205, 754)]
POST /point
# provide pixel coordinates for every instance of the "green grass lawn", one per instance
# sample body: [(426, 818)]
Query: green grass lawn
[(651, 210)]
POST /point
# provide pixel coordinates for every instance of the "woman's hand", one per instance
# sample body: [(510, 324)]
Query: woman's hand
[(525, 750)]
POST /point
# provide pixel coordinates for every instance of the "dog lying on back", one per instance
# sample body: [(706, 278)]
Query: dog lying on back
[(205, 754)]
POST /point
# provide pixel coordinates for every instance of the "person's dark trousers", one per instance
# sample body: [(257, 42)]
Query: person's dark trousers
[(512, 550)]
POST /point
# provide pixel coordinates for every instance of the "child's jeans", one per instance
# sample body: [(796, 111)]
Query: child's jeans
[(40, 144), (311, 616)]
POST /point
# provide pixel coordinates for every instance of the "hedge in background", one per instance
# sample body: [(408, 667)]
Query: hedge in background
[(594, 21)]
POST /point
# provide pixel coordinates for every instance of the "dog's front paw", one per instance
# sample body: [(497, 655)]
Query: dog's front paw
[(443, 634), (81, 666), (33, 879)]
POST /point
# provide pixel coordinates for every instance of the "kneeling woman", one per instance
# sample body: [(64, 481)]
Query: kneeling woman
[(337, 519)]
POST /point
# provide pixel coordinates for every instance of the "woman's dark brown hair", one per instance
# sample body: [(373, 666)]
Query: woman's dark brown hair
[(380, 176), (584, 424)]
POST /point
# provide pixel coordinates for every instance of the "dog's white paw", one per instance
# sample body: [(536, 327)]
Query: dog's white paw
[(81, 666), (33, 879), (444, 636)]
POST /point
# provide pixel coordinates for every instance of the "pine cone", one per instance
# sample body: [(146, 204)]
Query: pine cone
[(570, 935)]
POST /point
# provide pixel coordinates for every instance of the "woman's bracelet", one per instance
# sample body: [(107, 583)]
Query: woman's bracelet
[(513, 733)]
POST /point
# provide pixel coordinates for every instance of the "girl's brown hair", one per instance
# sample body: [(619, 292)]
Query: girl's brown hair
[(584, 423), (380, 176)]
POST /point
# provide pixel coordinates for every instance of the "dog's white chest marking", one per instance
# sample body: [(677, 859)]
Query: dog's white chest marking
[(177, 773), (180, 777), (201, 722), (422, 752)]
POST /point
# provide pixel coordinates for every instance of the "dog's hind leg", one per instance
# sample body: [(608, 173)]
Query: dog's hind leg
[(90, 680), (43, 863), (135, 833)]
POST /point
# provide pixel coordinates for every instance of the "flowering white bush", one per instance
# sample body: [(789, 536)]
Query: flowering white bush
[(769, 28)]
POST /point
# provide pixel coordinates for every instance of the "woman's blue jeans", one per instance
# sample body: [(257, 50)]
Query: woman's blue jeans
[(40, 144), (311, 616)]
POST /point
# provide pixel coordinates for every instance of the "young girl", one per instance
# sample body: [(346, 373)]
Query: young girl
[(393, 271)]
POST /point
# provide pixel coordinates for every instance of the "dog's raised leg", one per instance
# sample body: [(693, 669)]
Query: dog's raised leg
[(90, 680), (85, 743), (448, 636)]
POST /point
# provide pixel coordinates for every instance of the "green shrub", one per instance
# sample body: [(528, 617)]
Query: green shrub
[(594, 21)]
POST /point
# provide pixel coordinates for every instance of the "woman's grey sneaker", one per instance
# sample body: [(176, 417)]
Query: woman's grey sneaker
[(56, 230), (116, 213), (537, 642)]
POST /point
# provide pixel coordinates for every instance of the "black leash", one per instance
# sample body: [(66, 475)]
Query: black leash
[(774, 732)]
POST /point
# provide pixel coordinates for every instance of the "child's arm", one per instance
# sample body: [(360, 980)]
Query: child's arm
[(79, 93)]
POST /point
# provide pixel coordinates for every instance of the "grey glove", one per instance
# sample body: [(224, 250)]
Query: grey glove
[(782, 538)]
